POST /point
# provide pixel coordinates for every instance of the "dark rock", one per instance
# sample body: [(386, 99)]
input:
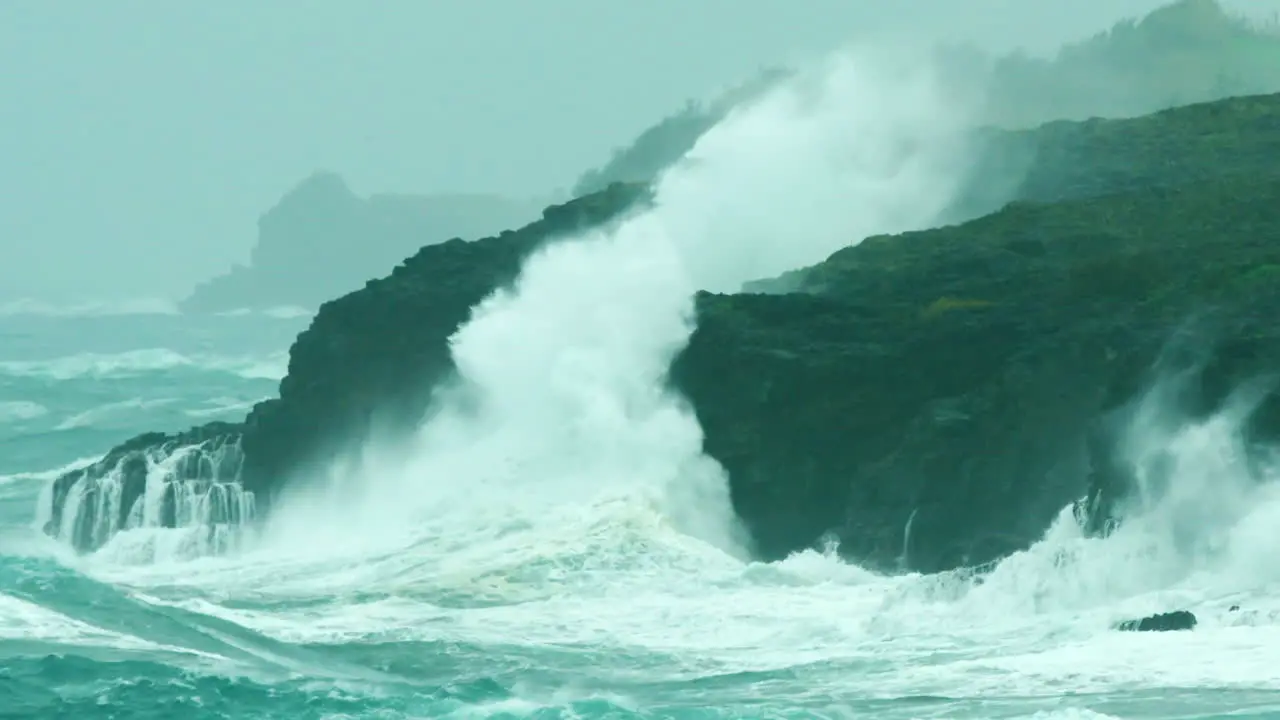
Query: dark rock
[(370, 360), (1163, 622)]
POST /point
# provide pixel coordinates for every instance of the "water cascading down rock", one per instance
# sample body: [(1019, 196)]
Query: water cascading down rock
[(190, 482)]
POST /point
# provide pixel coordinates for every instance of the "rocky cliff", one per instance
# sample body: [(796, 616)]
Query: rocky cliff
[(931, 399), (321, 240), (947, 393)]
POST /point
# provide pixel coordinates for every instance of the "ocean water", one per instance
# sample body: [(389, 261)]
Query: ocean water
[(553, 544), (605, 609)]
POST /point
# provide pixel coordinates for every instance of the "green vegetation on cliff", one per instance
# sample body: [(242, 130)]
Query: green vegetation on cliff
[(953, 374)]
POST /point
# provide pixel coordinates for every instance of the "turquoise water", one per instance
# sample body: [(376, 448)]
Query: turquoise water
[(604, 612)]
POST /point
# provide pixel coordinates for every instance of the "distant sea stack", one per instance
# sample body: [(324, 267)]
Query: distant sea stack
[(321, 240)]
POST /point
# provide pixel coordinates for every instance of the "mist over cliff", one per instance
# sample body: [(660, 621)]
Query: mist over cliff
[(1184, 52)]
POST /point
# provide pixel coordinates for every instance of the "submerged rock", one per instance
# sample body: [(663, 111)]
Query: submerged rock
[(1162, 622)]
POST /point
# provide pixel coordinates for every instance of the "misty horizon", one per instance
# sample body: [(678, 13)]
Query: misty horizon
[(145, 141)]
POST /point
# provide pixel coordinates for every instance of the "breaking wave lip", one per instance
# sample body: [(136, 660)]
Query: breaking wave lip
[(105, 366)]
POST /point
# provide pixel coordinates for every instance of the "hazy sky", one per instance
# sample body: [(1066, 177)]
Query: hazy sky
[(141, 139)]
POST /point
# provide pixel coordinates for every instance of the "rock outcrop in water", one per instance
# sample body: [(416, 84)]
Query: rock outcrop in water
[(1161, 622), (322, 240), (929, 400)]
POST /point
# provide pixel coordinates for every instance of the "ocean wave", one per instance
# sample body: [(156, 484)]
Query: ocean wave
[(100, 366)]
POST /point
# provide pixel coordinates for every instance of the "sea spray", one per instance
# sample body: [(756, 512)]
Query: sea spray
[(1196, 517), (168, 502), (562, 409)]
